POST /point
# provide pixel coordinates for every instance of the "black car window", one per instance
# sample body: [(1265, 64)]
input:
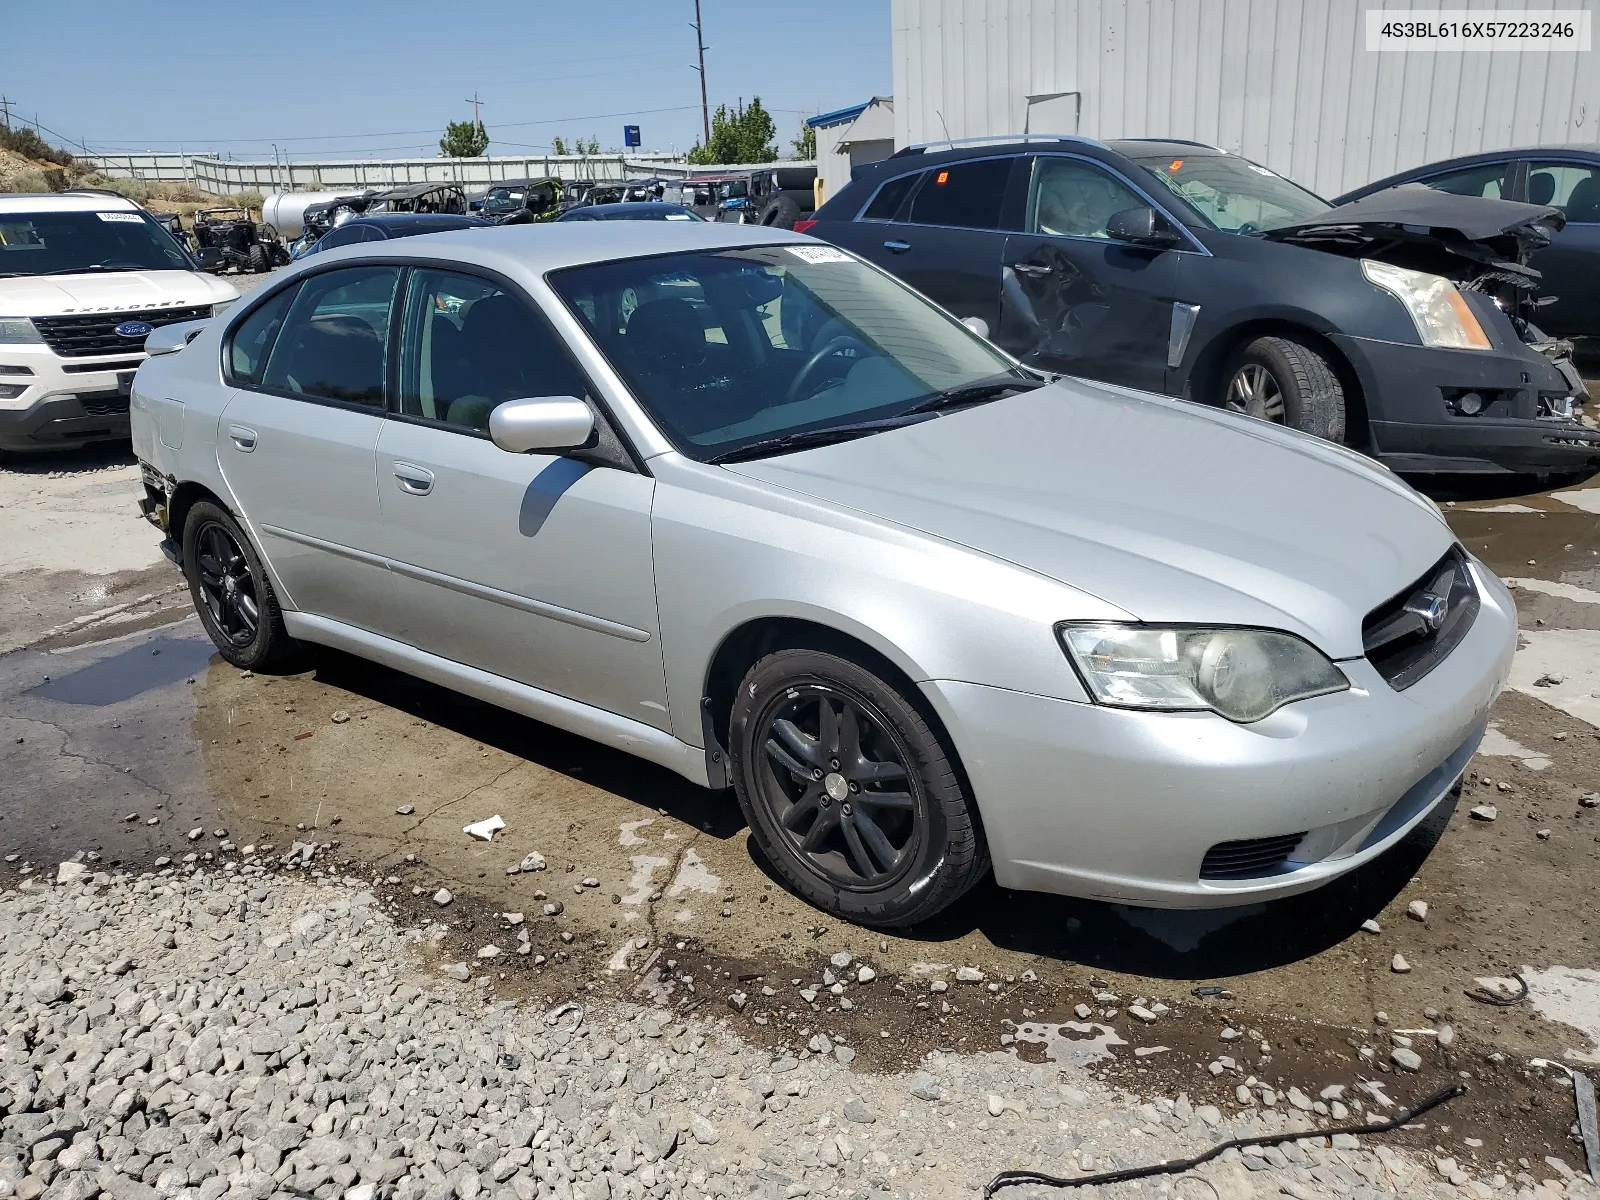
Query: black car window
[(345, 235), (967, 195), (334, 340), (1073, 198), (890, 196), (1491, 180), (371, 233), (467, 345), (1572, 187), (252, 340)]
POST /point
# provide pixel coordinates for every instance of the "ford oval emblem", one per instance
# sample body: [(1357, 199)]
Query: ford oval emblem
[(134, 329)]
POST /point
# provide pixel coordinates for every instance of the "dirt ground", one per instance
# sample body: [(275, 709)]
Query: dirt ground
[(658, 882)]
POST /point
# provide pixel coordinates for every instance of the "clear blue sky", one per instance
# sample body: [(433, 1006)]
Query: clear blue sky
[(329, 77)]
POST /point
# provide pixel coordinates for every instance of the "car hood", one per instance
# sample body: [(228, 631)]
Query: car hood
[(1167, 510), (114, 291), (1404, 223)]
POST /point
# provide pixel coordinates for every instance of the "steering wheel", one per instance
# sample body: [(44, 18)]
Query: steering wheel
[(836, 345)]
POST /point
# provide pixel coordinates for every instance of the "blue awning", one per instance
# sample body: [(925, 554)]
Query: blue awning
[(839, 115)]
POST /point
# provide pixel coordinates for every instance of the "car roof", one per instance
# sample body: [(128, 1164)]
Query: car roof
[(623, 207), (1164, 147), (95, 201), (538, 248), (421, 220), (1587, 150)]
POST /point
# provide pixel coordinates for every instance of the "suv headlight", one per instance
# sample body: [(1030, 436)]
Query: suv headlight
[(1438, 310), (1240, 674), (221, 307), (18, 329)]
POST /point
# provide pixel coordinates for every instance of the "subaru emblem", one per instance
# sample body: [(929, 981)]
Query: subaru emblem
[(1431, 608), (134, 329)]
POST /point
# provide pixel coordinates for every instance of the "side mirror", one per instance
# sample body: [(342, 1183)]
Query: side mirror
[(548, 424), (1142, 226), (209, 257), (977, 324)]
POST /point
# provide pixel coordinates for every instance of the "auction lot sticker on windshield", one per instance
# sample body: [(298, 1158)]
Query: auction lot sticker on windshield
[(120, 216), (818, 254), (1480, 29)]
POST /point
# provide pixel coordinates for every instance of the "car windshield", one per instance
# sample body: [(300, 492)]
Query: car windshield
[(1233, 193), (62, 243), (729, 348)]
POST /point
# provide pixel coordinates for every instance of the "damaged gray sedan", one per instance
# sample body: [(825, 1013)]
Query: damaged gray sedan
[(743, 505)]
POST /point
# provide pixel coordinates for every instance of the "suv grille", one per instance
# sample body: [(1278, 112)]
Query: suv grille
[(1408, 636), (1246, 859), (94, 333)]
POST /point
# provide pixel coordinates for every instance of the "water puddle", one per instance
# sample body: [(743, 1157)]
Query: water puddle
[(1497, 744), (1587, 499), (1570, 656), (152, 664), (1564, 591)]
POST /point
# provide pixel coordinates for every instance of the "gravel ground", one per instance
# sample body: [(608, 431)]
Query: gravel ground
[(251, 1034)]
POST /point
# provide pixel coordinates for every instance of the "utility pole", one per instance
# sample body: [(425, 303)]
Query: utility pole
[(474, 103), (700, 40), (5, 113)]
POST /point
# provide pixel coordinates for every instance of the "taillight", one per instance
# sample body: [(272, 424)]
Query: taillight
[(804, 224)]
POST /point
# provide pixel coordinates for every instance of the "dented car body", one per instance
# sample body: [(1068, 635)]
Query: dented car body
[(1403, 326)]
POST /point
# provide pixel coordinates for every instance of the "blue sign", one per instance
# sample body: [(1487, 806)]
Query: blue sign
[(134, 329), (630, 136)]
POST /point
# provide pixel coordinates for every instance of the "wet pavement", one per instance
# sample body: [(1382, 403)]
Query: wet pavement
[(381, 772)]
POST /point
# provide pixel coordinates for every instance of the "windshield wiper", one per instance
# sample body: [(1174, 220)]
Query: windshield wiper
[(92, 268), (805, 438), (977, 392)]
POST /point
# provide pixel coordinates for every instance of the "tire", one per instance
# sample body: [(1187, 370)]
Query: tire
[(805, 802), (260, 260), (1285, 381), (251, 645), (781, 212)]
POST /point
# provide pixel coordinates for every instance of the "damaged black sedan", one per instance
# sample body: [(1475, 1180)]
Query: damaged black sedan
[(1403, 325)]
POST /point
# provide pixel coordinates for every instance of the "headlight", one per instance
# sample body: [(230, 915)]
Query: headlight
[(1442, 316), (18, 329), (1241, 674), (223, 306)]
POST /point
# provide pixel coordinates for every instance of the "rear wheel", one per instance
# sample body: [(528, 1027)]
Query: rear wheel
[(1285, 381), (849, 792), (260, 260), (231, 591), (781, 212)]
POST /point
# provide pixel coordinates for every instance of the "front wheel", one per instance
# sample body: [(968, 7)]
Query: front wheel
[(781, 212), (1285, 381), (260, 260), (849, 792), (231, 591)]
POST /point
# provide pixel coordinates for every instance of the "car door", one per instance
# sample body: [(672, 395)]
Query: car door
[(297, 440), (942, 231), (1570, 264), (1071, 298), (536, 567)]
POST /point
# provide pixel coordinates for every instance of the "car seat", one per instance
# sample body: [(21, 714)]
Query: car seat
[(1584, 203), (336, 356), (1541, 187)]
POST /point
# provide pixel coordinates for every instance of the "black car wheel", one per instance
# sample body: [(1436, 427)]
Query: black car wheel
[(260, 260), (1287, 382), (231, 591), (849, 792), (781, 212)]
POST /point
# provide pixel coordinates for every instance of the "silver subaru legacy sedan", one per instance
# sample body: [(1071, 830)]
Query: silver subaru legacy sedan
[(741, 504)]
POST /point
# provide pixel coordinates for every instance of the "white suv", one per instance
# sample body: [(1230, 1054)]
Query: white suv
[(84, 279)]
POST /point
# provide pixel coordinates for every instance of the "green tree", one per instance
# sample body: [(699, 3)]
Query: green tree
[(559, 146), (805, 146), (464, 139), (594, 145), (741, 135)]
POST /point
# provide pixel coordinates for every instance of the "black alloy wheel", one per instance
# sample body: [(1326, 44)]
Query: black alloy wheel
[(226, 585), (835, 779), (850, 790), (231, 591)]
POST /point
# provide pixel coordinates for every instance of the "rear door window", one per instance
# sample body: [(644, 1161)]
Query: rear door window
[(965, 195), (886, 204), (334, 342), (252, 340), (1574, 188)]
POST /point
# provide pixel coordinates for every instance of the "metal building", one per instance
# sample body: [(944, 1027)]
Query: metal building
[(1288, 83)]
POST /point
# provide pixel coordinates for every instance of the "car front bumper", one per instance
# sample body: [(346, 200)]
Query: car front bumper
[(1112, 804), (1407, 390), (63, 403)]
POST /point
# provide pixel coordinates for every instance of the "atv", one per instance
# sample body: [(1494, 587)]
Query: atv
[(243, 243)]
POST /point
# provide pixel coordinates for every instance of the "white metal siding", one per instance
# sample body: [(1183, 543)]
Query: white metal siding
[(1289, 83)]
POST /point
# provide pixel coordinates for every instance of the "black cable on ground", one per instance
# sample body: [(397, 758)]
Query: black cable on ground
[(1178, 1166), (1485, 996)]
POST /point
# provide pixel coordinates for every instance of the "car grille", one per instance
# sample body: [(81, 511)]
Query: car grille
[(121, 364), (95, 333), (104, 404), (1251, 857), (1410, 635)]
